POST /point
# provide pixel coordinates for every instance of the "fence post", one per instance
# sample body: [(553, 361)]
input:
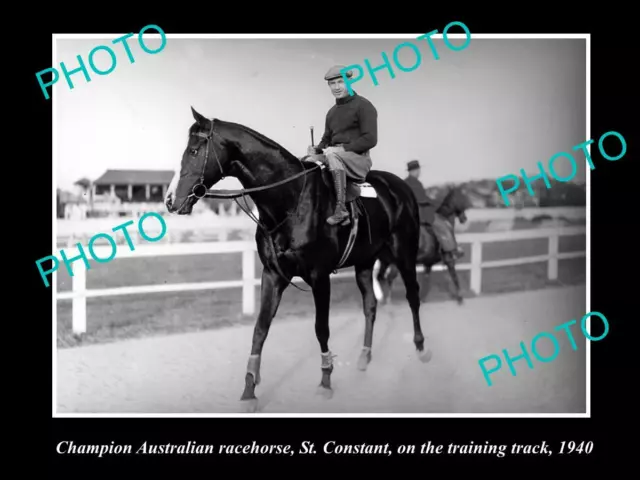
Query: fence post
[(476, 267), (248, 278), (79, 302), (552, 268)]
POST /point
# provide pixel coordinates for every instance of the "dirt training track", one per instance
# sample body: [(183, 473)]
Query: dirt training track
[(203, 372)]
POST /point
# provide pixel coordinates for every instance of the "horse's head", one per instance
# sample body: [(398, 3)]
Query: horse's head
[(462, 203), (204, 163), (455, 203)]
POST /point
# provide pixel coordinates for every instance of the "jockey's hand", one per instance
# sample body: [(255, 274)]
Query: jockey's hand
[(311, 150)]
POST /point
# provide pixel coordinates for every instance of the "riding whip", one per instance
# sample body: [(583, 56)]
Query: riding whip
[(312, 143)]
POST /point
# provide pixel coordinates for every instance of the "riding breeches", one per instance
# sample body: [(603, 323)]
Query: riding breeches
[(356, 166), (443, 230)]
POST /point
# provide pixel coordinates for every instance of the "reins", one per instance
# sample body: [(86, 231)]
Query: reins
[(235, 194), (242, 192)]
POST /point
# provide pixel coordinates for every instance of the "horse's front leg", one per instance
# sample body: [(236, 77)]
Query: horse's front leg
[(364, 279), (271, 293), (322, 297), (425, 287)]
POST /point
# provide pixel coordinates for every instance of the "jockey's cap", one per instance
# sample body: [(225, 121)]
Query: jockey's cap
[(334, 72)]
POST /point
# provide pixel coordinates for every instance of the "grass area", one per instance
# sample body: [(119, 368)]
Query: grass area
[(115, 318)]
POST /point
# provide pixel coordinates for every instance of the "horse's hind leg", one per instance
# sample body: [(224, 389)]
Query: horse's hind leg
[(450, 262), (426, 283), (392, 274), (322, 297), (406, 263), (383, 281), (364, 279), (272, 287), (379, 280)]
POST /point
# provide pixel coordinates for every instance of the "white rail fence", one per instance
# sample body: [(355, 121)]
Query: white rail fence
[(79, 292), (212, 221)]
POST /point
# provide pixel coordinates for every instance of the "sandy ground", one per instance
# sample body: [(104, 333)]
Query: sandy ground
[(203, 372)]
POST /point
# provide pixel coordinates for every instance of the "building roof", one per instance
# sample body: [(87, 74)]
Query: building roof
[(135, 177)]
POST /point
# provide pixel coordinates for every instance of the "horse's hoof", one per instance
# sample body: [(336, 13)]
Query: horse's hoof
[(460, 300), (425, 355), (249, 406), (364, 360), (326, 393), (362, 364)]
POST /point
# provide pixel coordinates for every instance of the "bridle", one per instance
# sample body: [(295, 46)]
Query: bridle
[(208, 138), (200, 190)]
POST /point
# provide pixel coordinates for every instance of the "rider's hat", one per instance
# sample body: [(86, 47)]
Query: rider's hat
[(413, 165), (334, 72)]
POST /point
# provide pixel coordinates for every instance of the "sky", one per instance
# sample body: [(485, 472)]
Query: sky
[(484, 112)]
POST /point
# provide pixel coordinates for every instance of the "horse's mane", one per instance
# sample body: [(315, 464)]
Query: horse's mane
[(260, 137), (448, 195), (445, 200)]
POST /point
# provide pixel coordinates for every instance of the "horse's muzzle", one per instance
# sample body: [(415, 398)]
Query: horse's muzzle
[(181, 206)]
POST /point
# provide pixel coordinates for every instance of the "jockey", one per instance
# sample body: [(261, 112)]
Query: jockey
[(351, 131), (441, 228)]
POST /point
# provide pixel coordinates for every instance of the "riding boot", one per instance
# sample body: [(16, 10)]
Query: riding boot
[(457, 252), (340, 215)]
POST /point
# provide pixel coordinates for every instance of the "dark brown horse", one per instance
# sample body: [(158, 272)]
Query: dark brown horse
[(293, 199), (453, 205)]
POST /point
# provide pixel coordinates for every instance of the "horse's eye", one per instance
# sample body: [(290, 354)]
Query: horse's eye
[(194, 151)]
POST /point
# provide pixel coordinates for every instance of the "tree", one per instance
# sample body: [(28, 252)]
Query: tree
[(84, 182)]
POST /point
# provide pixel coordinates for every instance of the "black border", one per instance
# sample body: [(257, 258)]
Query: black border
[(611, 209)]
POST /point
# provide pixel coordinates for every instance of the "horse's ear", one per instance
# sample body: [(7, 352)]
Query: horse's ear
[(199, 118)]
